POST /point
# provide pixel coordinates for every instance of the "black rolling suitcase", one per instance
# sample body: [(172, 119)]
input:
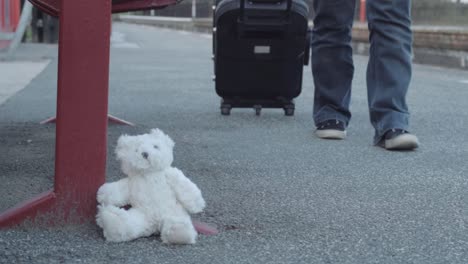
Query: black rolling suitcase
[(259, 50)]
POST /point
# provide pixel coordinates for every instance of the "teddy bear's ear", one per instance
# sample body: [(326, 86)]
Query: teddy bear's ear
[(122, 143), (156, 132), (167, 140)]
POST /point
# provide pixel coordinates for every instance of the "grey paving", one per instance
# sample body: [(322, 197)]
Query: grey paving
[(277, 193)]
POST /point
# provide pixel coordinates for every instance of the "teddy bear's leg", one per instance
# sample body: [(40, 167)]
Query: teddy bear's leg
[(121, 225), (178, 230)]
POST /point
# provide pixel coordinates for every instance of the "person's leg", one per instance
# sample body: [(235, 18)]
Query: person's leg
[(332, 63), (389, 68)]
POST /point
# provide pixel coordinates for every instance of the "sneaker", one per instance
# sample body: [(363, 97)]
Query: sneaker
[(399, 139), (331, 129)]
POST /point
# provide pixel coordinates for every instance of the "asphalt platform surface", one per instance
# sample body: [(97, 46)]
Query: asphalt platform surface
[(276, 192)]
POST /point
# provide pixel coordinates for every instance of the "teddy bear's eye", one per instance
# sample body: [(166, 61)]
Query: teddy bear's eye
[(156, 147)]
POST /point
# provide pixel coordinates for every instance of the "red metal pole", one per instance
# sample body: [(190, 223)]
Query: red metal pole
[(15, 14), (2, 16), (9, 18), (82, 102), (9, 15), (362, 11), (3, 43), (81, 132)]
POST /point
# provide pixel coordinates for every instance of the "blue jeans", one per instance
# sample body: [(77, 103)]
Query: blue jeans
[(388, 70)]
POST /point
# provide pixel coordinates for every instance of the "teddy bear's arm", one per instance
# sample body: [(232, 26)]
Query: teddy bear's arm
[(186, 191), (114, 193)]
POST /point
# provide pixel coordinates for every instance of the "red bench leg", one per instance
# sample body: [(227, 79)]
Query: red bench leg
[(81, 132), (110, 118)]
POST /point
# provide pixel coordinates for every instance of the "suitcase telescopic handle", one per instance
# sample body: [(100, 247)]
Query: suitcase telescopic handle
[(287, 11)]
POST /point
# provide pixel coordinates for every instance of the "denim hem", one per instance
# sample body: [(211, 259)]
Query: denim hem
[(379, 135), (323, 118)]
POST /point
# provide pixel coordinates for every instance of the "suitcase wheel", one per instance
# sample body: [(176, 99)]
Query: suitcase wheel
[(289, 111), (258, 109), (225, 110)]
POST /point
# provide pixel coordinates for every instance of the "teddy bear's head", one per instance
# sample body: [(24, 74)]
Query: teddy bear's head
[(145, 153)]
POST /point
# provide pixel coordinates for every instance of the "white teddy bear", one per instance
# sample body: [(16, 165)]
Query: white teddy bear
[(161, 197)]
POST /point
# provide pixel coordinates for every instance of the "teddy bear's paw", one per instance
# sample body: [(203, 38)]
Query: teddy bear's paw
[(198, 205), (104, 194), (99, 220), (105, 214), (115, 236), (179, 233)]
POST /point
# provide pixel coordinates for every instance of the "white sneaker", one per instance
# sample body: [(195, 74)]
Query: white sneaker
[(399, 139), (331, 129)]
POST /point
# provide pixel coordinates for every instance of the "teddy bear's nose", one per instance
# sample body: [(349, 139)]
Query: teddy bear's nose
[(145, 155)]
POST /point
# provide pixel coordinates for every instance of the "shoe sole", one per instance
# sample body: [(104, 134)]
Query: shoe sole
[(330, 134), (402, 142)]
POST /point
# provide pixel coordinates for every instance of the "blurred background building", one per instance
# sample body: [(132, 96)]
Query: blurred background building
[(427, 12), (44, 28)]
